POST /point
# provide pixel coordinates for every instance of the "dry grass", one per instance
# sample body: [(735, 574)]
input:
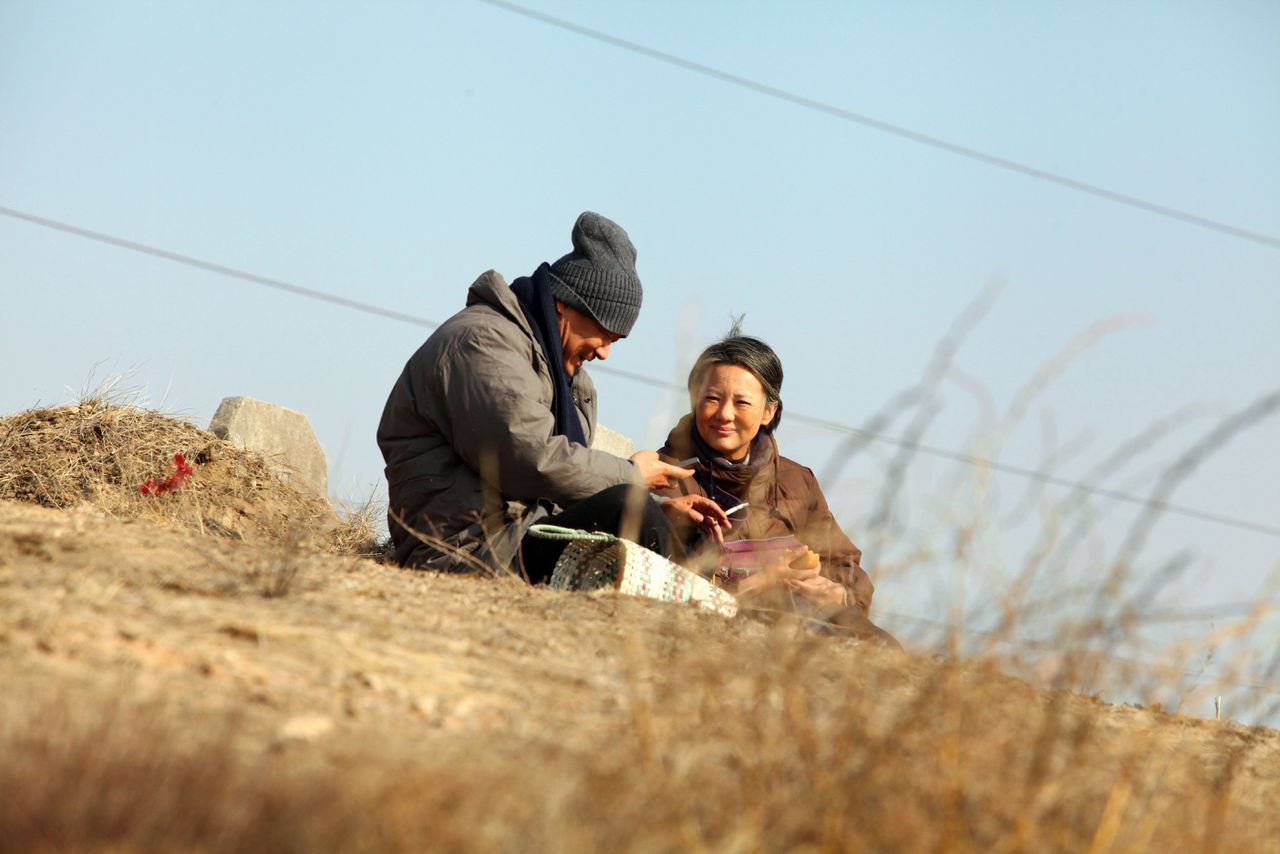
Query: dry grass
[(158, 697), (1053, 566), (521, 719), (173, 687), (99, 454)]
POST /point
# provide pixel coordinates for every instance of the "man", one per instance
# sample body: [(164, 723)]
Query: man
[(487, 431)]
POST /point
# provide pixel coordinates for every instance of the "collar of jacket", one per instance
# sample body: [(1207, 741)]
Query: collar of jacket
[(680, 442), (492, 290)]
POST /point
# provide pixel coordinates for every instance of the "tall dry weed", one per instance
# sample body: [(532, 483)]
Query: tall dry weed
[(1082, 606)]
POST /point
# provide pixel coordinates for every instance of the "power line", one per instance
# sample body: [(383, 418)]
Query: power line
[(221, 269), (889, 128), (833, 426), (1041, 477)]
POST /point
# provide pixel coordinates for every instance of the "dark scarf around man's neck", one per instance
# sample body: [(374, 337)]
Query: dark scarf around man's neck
[(539, 307)]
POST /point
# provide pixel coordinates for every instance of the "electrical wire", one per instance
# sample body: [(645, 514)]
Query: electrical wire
[(889, 128), (221, 269), (822, 423)]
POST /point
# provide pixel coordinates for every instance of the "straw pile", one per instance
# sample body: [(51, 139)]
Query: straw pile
[(103, 456)]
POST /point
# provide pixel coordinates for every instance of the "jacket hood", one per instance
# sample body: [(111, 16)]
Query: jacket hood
[(679, 444), (492, 290)]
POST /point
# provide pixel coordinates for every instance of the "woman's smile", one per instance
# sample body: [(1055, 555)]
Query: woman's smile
[(729, 409)]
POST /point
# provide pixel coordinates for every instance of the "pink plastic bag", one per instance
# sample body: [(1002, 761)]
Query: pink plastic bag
[(746, 557)]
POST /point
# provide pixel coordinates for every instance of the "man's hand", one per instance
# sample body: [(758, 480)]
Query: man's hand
[(700, 511), (655, 473)]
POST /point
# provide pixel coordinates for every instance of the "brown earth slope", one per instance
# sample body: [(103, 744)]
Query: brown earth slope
[(173, 688)]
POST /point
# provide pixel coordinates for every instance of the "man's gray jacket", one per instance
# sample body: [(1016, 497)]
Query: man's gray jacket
[(467, 438)]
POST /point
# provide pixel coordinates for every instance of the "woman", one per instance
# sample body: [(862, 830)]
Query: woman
[(735, 391)]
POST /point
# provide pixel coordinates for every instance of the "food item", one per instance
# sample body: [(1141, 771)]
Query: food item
[(808, 559)]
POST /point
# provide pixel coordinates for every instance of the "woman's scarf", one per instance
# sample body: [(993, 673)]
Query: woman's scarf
[(539, 307), (724, 481)]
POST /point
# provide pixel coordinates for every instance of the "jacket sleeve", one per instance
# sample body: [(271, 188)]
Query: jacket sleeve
[(841, 559), (502, 427)]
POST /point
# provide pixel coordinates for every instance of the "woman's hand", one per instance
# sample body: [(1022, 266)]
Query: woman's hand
[(819, 590), (783, 572), (799, 572), (700, 511)]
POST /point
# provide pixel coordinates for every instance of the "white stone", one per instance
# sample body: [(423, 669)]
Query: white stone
[(613, 442), (283, 436)]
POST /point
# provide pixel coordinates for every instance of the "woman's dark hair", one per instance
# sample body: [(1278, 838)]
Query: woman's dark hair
[(746, 352)]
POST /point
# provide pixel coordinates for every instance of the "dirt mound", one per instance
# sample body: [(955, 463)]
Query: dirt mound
[(134, 463), (165, 691)]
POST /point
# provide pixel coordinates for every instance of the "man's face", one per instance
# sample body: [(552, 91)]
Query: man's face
[(581, 338)]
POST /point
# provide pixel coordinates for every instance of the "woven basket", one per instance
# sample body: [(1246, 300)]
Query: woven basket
[(594, 561)]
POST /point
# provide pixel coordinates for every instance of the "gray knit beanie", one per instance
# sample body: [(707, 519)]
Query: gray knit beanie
[(599, 276)]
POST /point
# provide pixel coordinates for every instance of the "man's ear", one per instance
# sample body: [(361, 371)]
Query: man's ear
[(559, 308)]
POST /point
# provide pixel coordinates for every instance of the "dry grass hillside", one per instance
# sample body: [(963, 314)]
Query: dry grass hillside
[(217, 669)]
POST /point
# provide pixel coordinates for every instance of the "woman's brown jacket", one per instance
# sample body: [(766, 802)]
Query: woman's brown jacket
[(785, 499)]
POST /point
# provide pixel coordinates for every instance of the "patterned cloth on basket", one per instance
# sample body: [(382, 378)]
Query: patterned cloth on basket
[(592, 561)]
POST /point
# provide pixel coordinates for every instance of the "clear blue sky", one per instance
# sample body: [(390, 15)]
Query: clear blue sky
[(391, 152)]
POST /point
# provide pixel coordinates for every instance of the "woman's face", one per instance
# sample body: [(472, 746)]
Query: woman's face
[(729, 408)]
